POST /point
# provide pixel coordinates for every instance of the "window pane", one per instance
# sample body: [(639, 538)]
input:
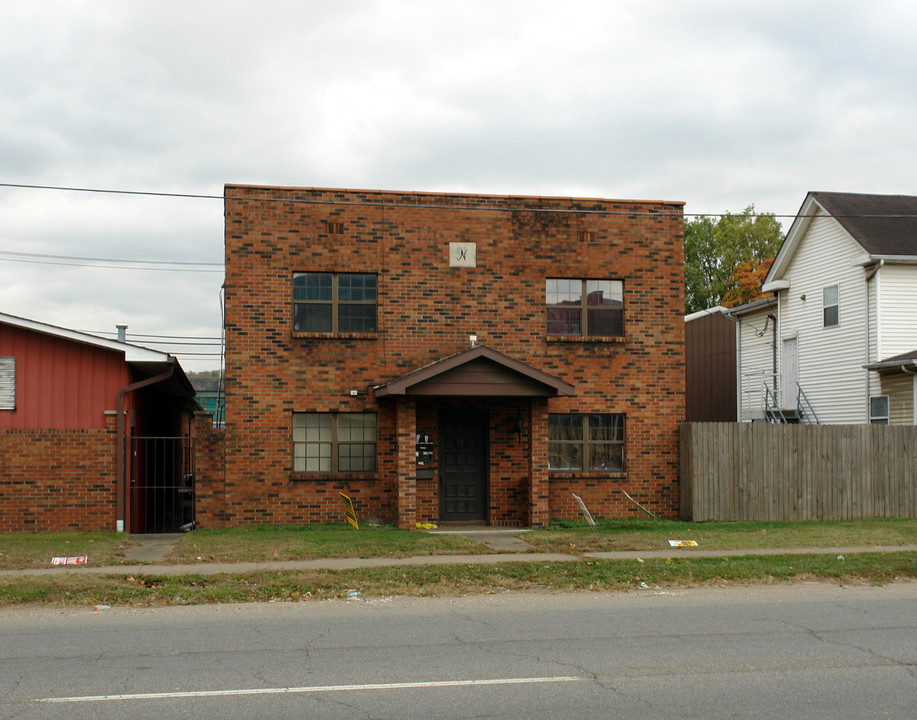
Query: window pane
[(565, 427), (602, 321), (606, 456), (357, 288), (315, 287), (830, 295), (564, 321), (565, 456), (318, 427), (356, 426), (605, 292), (356, 318), (831, 316), (311, 318), (606, 427), (357, 457), (563, 292), (878, 407)]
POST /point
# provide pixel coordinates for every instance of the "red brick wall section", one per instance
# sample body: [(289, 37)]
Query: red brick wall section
[(209, 471), (426, 311), (56, 480), (407, 466)]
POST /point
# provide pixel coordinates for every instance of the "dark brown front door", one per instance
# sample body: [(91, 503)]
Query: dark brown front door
[(463, 466)]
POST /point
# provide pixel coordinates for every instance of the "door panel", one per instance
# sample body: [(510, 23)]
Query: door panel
[(790, 372), (463, 466)]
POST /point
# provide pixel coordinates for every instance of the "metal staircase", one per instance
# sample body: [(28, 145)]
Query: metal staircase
[(802, 414)]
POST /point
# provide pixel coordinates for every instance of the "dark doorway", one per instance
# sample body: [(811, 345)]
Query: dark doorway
[(161, 474), (463, 466)]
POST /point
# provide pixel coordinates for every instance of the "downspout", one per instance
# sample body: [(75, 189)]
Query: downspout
[(773, 348), (869, 276), (120, 459)]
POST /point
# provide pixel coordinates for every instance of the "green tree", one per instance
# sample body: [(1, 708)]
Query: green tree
[(715, 249)]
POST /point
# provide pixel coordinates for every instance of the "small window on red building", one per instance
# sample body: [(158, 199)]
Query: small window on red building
[(7, 383)]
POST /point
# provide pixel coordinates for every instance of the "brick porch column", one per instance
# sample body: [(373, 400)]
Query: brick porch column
[(406, 480), (539, 497)]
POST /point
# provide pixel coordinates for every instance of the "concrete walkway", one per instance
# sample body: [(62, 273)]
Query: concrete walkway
[(149, 546)]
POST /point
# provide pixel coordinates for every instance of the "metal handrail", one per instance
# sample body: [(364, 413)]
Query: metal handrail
[(800, 399), (771, 406)]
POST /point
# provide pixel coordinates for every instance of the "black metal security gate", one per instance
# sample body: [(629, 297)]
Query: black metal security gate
[(161, 472)]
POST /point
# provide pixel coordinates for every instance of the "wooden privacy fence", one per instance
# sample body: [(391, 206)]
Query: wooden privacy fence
[(764, 471)]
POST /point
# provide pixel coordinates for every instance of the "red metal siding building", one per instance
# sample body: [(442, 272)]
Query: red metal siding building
[(63, 462), (449, 357)]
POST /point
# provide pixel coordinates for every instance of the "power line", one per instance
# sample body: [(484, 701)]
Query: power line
[(215, 339), (384, 204), (107, 267), (115, 260)]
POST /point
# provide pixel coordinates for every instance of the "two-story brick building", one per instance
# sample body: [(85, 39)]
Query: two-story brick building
[(447, 357)]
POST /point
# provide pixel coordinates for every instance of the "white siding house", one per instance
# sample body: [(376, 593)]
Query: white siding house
[(756, 356), (845, 294)]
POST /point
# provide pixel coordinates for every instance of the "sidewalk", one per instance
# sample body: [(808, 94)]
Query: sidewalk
[(156, 547)]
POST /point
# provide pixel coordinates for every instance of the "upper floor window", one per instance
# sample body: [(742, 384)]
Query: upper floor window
[(334, 302), (334, 442), (830, 304), (589, 308), (586, 441)]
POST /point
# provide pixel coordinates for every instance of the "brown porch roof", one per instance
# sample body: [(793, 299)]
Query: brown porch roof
[(477, 372), (898, 362)]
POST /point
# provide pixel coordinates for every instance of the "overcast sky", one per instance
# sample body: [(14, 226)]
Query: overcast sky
[(717, 103)]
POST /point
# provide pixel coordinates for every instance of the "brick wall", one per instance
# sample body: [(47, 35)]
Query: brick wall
[(57, 479), (426, 311)]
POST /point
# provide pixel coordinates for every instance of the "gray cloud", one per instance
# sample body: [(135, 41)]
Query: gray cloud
[(716, 103)]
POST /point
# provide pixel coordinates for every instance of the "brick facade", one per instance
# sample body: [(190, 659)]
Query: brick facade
[(426, 309), (58, 479)]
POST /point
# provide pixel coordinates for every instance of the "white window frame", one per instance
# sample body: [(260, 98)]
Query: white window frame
[(878, 419), (826, 305)]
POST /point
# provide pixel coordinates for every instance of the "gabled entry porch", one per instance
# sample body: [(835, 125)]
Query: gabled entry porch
[(472, 440)]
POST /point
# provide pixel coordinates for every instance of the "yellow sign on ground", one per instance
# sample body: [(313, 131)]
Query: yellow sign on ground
[(349, 511)]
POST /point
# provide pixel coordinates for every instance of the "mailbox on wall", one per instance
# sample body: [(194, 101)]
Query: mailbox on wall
[(425, 453)]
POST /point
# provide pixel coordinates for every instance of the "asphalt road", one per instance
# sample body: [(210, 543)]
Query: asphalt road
[(799, 651)]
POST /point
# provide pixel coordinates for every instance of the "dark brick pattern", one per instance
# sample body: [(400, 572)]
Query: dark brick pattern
[(426, 311)]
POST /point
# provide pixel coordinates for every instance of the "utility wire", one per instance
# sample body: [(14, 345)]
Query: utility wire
[(387, 204), (114, 260), (108, 267)]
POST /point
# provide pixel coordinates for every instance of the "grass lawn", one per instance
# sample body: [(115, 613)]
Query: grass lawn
[(306, 542), (34, 550), (577, 537), (69, 589)]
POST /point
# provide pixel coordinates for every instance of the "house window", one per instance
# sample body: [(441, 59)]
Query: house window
[(878, 410), (331, 302), (586, 441), (830, 306), (334, 442), (7, 383), (589, 308)]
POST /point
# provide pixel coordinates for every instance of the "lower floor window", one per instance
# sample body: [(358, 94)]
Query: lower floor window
[(586, 441), (334, 442), (878, 410)]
